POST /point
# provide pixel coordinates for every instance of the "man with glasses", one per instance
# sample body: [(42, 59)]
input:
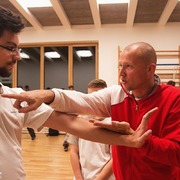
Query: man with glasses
[(11, 122)]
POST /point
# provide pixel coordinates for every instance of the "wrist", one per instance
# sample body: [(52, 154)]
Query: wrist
[(49, 97)]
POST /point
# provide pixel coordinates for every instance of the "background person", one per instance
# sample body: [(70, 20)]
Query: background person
[(71, 87), (171, 82), (91, 160)]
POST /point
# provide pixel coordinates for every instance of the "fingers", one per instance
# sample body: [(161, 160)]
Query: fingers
[(123, 125), (120, 127), (143, 138), (17, 104), (102, 124), (26, 109), (91, 121), (146, 118), (30, 104), (141, 134), (14, 96), (150, 113), (18, 98)]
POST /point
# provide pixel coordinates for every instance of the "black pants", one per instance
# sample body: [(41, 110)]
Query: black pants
[(32, 133)]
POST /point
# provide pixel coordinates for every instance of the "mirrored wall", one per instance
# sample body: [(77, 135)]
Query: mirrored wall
[(57, 66), (28, 68), (84, 66)]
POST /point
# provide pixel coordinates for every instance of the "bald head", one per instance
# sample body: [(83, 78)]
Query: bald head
[(144, 51)]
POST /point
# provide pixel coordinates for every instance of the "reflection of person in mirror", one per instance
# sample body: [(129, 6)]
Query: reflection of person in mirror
[(91, 160)]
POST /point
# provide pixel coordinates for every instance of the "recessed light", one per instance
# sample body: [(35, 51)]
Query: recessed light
[(34, 3), (112, 1), (52, 54), (84, 53)]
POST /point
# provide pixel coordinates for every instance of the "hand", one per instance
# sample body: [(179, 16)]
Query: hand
[(134, 138), (33, 99), (120, 127), (139, 136)]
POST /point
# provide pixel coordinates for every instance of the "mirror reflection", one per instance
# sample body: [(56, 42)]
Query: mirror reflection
[(83, 67), (28, 68), (56, 67)]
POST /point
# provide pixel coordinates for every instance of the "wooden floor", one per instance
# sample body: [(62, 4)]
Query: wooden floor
[(45, 159)]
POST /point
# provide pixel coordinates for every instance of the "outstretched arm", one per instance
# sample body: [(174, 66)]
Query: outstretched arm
[(83, 129), (95, 104), (75, 125)]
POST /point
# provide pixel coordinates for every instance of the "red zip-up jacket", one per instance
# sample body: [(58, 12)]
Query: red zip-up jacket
[(159, 158)]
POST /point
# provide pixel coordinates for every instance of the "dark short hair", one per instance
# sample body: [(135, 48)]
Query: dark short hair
[(97, 83), (71, 87), (10, 21), (171, 82)]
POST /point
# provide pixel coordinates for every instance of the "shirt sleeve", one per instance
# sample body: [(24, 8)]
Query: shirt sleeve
[(94, 104), (38, 117), (73, 139)]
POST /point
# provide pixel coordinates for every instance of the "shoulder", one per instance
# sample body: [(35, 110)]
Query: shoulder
[(168, 94), (167, 89)]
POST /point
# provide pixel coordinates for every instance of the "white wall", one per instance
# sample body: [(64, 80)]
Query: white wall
[(109, 38)]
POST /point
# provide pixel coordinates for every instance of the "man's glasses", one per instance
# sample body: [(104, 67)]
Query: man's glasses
[(13, 50)]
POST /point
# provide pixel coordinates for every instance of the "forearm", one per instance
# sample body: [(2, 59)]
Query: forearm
[(86, 130), (76, 167), (106, 172)]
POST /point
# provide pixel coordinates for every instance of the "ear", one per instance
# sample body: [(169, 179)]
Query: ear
[(151, 67)]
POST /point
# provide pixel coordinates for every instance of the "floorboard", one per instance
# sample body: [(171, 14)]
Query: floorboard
[(45, 159)]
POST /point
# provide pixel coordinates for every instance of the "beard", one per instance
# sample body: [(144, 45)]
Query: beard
[(4, 72)]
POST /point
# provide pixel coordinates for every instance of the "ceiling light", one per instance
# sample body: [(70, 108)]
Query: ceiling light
[(34, 3), (52, 54), (84, 53), (112, 1), (24, 55)]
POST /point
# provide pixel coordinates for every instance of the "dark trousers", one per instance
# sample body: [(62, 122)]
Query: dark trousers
[(32, 133)]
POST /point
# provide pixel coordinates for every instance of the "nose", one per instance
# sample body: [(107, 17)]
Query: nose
[(17, 56), (121, 71)]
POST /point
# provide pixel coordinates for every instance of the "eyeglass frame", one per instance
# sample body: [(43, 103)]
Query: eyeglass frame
[(14, 50)]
